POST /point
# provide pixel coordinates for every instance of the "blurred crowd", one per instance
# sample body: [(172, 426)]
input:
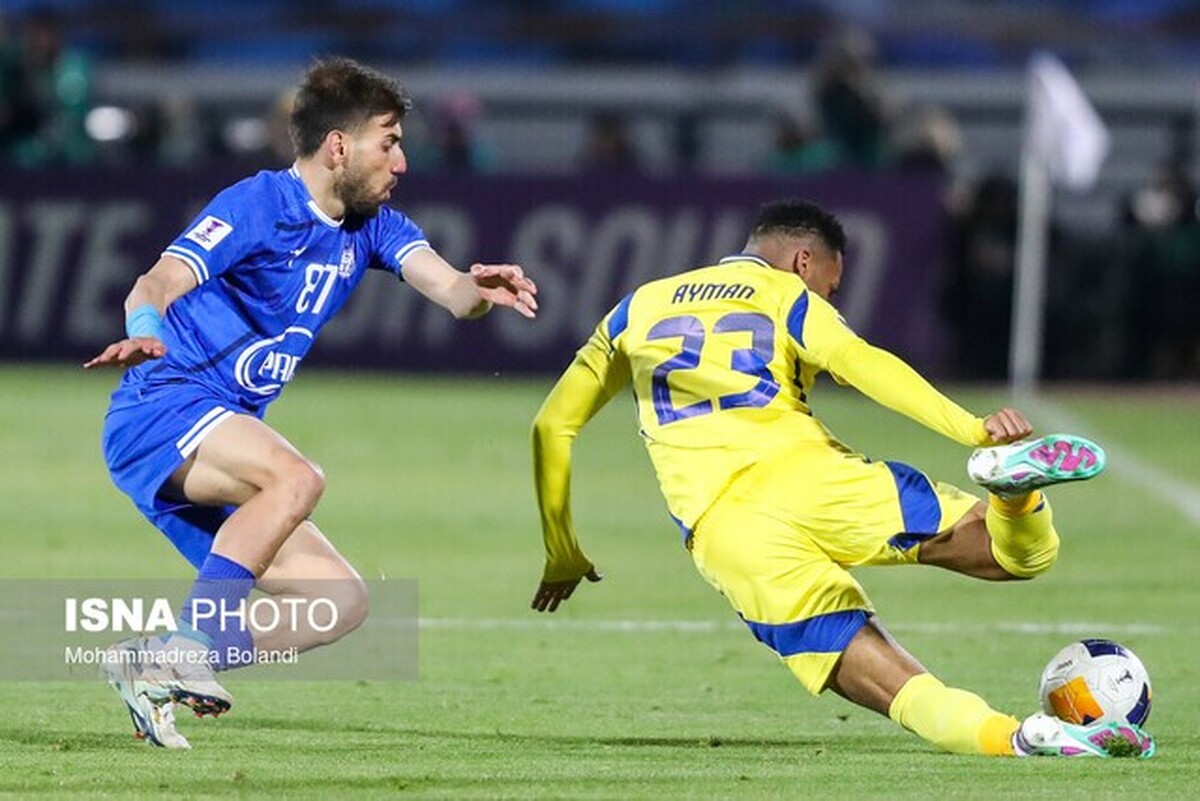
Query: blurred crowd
[(45, 93), (1122, 301), (48, 115)]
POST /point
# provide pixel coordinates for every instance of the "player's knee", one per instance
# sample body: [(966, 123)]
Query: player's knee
[(305, 482)]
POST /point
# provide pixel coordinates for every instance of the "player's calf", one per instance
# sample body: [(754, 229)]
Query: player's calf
[(348, 596), (1024, 542), (353, 604)]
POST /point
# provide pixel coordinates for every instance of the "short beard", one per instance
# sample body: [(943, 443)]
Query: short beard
[(353, 195)]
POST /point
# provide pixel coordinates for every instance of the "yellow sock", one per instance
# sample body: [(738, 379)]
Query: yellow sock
[(1024, 541), (1017, 505), (955, 720)]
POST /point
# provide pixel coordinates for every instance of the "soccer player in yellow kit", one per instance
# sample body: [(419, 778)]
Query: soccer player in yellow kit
[(774, 510)]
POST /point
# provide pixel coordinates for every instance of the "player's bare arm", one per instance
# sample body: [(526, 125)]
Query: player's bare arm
[(159, 287), (471, 294)]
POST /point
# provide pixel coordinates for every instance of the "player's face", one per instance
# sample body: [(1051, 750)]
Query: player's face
[(821, 268), (373, 163)]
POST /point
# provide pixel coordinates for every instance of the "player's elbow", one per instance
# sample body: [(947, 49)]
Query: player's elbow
[(544, 429), (161, 285), (146, 289)]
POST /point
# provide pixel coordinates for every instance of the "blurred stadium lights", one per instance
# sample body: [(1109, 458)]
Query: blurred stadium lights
[(107, 124), (246, 134)]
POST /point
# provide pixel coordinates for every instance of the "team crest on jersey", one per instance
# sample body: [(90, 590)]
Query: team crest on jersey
[(346, 265), (209, 232)]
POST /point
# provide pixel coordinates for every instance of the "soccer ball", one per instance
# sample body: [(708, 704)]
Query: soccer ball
[(1096, 681)]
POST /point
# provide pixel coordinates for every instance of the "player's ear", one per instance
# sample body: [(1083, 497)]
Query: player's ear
[(801, 258), (335, 146)]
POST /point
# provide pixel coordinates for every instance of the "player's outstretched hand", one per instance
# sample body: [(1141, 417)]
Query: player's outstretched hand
[(128, 353), (1007, 425), (506, 285), (552, 593)]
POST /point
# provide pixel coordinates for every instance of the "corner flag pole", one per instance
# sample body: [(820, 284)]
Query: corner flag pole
[(1064, 143), (1029, 292)]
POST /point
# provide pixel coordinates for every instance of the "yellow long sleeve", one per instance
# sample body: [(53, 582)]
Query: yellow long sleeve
[(830, 345), (583, 389), (889, 381)]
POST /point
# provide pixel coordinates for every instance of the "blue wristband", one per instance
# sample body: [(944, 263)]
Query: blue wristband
[(144, 321)]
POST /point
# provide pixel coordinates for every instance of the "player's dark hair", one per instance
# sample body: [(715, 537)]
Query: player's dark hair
[(341, 94), (794, 217)]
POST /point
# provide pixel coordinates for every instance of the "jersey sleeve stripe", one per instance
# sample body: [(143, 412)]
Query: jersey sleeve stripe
[(619, 320), (823, 634), (412, 247), (197, 265), (795, 318)]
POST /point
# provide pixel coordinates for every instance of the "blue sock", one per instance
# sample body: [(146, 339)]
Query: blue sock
[(223, 584)]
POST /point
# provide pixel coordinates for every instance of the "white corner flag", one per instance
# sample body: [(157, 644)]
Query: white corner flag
[(1065, 143), (1063, 131)]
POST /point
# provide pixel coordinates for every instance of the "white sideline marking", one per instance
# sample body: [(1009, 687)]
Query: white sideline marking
[(1070, 628), (1180, 494)]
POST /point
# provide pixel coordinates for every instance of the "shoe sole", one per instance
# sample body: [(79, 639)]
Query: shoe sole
[(1053, 459), (1144, 742), (200, 703)]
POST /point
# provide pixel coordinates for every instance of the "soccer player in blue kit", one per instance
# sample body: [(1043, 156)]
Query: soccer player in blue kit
[(216, 329)]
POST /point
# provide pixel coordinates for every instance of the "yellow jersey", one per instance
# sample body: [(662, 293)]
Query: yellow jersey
[(722, 360)]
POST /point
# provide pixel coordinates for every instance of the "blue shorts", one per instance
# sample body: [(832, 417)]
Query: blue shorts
[(149, 432)]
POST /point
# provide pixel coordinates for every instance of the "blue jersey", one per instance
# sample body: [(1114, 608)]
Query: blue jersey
[(272, 269)]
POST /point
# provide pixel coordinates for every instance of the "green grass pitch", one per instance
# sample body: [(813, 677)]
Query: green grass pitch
[(429, 479)]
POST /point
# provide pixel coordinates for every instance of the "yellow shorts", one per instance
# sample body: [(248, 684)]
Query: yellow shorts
[(779, 540)]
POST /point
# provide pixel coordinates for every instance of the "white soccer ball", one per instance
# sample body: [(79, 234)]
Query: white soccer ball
[(1096, 681)]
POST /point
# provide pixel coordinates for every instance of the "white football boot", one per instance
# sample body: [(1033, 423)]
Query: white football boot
[(154, 723), (1045, 735), (164, 673), (181, 673), (1024, 466)]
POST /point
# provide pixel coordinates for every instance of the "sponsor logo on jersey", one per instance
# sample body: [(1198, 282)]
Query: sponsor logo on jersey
[(209, 232), (265, 366)]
